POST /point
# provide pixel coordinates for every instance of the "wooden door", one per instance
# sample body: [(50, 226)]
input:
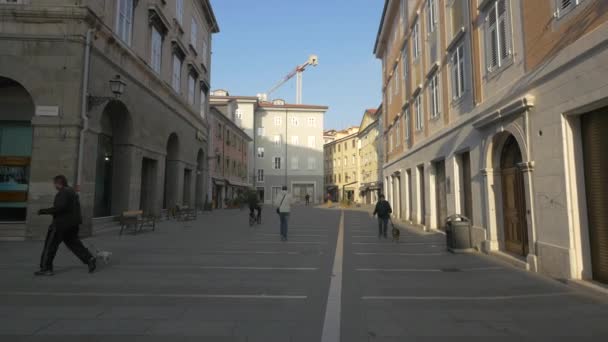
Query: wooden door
[(595, 144), (441, 203), (467, 196), (513, 200)]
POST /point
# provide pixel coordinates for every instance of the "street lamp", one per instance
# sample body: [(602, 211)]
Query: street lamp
[(117, 86)]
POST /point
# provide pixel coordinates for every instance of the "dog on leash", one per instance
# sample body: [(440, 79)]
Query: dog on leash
[(101, 255), (395, 232)]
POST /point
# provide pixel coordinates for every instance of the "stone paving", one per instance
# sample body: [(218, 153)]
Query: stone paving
[(217, 279)]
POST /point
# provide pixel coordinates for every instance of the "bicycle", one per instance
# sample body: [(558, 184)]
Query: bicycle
[(253, 218)]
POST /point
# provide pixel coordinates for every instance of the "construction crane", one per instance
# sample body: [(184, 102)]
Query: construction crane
[(313, 60)]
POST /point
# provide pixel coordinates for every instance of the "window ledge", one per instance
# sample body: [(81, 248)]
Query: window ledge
[(495, 72), (456, 39)]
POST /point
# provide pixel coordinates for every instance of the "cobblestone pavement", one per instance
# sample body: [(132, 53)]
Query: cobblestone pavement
[(217, 279)]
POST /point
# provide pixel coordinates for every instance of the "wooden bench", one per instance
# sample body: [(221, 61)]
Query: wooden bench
[(136, 220), (186, 214)]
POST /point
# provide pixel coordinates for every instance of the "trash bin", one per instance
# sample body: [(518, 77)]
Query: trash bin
[(458, 233)]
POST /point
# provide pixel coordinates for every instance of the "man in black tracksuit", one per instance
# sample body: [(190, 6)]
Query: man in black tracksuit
[(384, 211), (66, 219)]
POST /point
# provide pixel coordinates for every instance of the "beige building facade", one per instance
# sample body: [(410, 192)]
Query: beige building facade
[(341, 157), (370, 157), (112, 94), (493, 110)]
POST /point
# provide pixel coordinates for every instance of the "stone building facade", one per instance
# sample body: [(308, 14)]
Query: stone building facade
[(288, 144), (228, 157), (370, 157), (113, 94), (493, 109), (341, 158)]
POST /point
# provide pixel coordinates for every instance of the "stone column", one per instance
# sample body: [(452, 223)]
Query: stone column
[(527, 168), (490, 177)]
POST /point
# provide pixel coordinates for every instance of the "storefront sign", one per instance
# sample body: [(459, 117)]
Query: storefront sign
[(47, 110)]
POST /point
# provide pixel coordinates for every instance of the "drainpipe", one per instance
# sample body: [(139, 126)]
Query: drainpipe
[(83, 108)]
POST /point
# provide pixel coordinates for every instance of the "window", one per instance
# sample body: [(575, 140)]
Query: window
[(191, 89), (157, 49), (398, 132), (404, 65), (179, 11), (431, 12), (277, 140), (353, 160), (260, 152), (498, 34), (312, 163), (403, 8), (434, 96), (312, 122), (418, 112), (565, 6), (124, 20), (294, 163), (261, 176), (312, 141), (205, 52), (278, 121), (193, 33), (176, 79), (390, 142), (354, 143), (345, 161), (416, 38), (395, 81), (203, 109), (407, 124), (295, 140), (277, 163), (294, 121), (457, 61), (260, 131)]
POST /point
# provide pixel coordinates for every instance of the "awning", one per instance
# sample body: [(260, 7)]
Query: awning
[(217, 181)]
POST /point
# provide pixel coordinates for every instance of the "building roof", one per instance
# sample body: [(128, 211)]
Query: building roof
[(215, 111), (215, 28), (386, 2), (288, 105)]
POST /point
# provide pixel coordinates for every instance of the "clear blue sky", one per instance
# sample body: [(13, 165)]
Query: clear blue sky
[(262, 41)]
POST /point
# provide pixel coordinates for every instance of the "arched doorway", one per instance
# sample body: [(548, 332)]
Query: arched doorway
[(112, 166), (513, 199), (17, 108), (171, 172), (199, 199)]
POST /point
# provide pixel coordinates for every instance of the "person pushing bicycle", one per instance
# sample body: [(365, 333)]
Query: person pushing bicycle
[(252, 201)]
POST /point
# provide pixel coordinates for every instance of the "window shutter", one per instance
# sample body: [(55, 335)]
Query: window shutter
[(492, 47), (504, 28), (461, 69)]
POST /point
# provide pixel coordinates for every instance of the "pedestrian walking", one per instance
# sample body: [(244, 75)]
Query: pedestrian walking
[(66, 220), (283, 204), (383, 210), (307, 197)]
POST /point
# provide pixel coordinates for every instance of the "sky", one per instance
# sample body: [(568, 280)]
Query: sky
[(261, 41)]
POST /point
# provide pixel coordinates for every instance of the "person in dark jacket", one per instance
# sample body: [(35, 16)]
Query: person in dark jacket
[(254, 205), (383, 210), (66, 220)]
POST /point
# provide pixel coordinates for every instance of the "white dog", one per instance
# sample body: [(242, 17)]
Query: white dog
[(101, 255)]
